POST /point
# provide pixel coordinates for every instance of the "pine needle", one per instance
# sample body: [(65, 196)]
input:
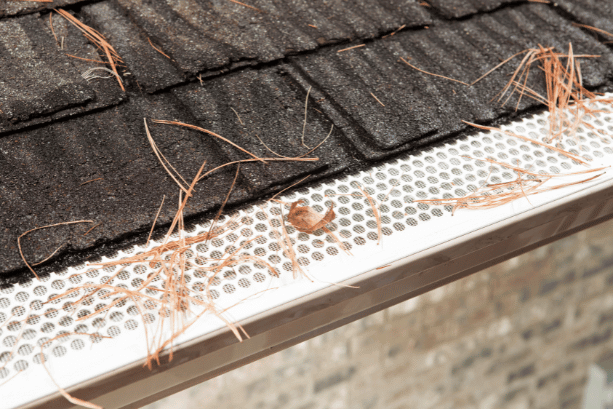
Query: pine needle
[(40, 228), (85, 59), (305, 120), (435, 75), (247, 5), (163, 160), (157, 49), (69, 397), (598, 30), (159, 121), (52, 30), (502, 63), (377, 99), (287, 249), (238, 117), (90, 181), (52, 254), (351, 48), (376, 214), (155, 220), (289, 187)]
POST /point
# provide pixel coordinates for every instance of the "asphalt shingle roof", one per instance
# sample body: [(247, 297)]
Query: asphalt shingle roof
[(240, 72)]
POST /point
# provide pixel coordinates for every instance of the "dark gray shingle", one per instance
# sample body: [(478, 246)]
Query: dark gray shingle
[(152, 70), (38, 83)]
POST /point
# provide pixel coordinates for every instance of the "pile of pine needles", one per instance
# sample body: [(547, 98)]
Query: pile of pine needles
[(568, 101), (166, 291)]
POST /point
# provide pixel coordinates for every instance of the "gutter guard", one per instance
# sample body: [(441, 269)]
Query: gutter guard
[(423, 247)]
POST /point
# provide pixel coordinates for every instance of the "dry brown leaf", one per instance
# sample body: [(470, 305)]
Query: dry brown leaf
[(307, 220)]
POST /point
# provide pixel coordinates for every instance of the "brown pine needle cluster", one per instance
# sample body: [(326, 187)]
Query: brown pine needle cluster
[(113, 59), (568, 101), (566, 98), (491, 195)]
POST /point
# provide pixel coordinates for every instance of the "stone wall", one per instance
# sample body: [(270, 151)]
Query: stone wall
[(522, 334)]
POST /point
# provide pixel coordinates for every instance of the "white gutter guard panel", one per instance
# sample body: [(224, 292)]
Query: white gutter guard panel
[(422, 247)]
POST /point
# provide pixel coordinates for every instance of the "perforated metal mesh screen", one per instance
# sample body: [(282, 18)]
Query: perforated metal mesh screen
[(27, 319)]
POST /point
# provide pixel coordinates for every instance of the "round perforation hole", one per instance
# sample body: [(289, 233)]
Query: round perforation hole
[(75, 279), (131, 325), (59, 351), (113, 331), (21, 365), (18, 311), (77, 344), (21, 296), (4, 372)]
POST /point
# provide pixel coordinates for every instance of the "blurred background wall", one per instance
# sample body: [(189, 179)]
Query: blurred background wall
[(532, 332)]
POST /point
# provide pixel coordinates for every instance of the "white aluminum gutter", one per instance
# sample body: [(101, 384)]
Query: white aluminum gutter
[(423, 247)]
